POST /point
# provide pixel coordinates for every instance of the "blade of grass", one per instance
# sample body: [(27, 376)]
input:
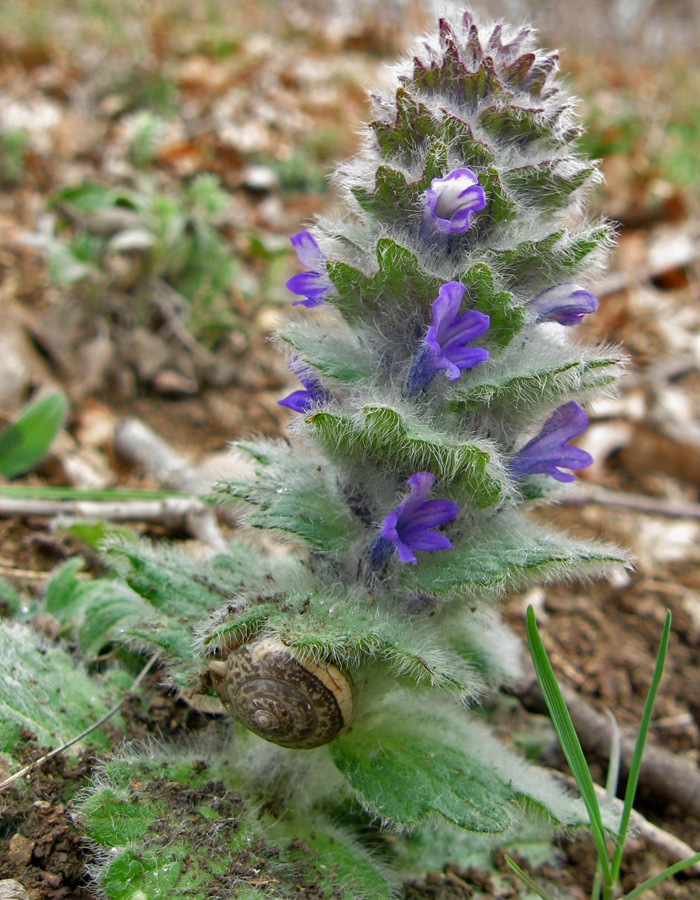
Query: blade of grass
[(655, 879), (636, 762), (570, 744), (68, 493), (525, 878), (610, 789)]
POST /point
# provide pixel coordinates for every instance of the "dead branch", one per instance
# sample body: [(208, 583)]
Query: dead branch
[(171, 512), (653, 506), (188, 514), (674, 847), (140, 446), (664, 778)]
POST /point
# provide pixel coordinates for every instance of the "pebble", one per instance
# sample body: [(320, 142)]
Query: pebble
[(10, 889), (20, 850), (259, 179)]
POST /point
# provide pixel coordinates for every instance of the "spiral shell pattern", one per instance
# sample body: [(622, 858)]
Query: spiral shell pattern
[(286, 701)]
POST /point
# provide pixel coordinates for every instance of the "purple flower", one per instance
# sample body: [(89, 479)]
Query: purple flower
[(566, 303), (450, 333), (312, 284), (446, 341), (313, 393), (450, 201), (549, 450), (409, 524)]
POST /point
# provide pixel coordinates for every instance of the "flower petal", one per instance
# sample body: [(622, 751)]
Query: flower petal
[(308, 284), (565, 303), (307, 250), (299, 401)]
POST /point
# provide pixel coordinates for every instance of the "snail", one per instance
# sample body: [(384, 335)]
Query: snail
[(282, 698)]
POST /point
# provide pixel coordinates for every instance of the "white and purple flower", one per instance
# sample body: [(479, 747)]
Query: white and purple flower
[(409, 525), (450, 201), (445, 344), (565, 303), (312, 285), (549, 451)]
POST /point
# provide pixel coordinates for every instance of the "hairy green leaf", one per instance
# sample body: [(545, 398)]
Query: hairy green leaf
[(45, 692), (506, 319), (509, 552), (400, 277), (298, 495), (391, 438), (340, 355), (528, 382)]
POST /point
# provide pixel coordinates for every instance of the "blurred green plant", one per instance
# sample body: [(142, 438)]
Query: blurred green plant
[(145, 129), (25, 441), (608, 867), (135, 240), (657, 129), (13, 146)]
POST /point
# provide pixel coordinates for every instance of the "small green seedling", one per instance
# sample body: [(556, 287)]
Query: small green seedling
[(25, 441), (608, 869)]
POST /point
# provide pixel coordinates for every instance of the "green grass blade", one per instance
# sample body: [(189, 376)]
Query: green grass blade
[(655, 879), (570, 744), (597, 883), (68, 493), (636, 763), (525, 878), (25, 441)]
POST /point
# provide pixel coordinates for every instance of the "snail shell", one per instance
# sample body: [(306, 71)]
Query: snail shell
[(289, 702)]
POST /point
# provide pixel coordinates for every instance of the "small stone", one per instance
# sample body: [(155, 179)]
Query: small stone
[(10, 889), (20, 850), (174, 384), (51, 878), (259, 179)]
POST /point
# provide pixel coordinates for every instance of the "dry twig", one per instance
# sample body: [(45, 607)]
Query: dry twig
[(664, 778), (674, 847), (653, 506)]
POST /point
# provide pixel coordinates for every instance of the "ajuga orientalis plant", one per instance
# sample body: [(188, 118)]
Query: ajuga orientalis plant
[(441, 386)]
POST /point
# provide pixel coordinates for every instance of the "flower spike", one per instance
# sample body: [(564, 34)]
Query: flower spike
[(410, 523), (313, 285), (450, 201), (548, 451), (565, 303)]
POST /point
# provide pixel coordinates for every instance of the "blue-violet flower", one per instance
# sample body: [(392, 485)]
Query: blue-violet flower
[(450, 201), (566, 303), (445, 345), (410, 523), (313, 393), (312, 284), (549, 450)]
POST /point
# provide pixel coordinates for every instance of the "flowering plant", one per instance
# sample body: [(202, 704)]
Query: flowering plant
[(435, 348)]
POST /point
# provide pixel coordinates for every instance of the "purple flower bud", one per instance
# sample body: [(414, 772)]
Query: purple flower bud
[(450, 201), (544, 453), (446, 341), (408, 526), (314, 284), (313, 393), (566, 303)]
